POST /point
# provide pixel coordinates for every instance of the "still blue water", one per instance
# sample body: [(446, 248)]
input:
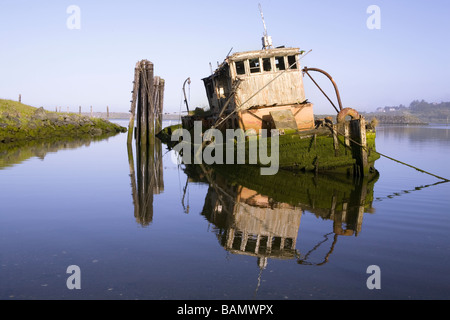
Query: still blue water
[(74, 206)]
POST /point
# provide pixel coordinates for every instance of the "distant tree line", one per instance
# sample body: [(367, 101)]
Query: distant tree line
[(425, 111)]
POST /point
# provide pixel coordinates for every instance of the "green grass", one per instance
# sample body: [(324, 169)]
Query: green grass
[(12, 109), (23, 122)]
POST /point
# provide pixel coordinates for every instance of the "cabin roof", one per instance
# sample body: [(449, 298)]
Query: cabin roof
[(262, 53)]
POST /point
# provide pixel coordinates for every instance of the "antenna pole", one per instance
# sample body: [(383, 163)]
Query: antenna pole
[(262, 17), (266, 40)]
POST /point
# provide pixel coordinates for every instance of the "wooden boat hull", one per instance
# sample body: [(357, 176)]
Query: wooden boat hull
[(327, 148)]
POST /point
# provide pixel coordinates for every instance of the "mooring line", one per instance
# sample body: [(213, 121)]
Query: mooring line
[(418, 169), (390, 158), (397, 194)]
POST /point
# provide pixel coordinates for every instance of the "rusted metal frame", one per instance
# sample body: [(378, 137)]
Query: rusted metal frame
[(306, 69), (188, 80)]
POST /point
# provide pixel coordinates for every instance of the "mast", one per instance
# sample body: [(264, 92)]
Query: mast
[(266, 39)]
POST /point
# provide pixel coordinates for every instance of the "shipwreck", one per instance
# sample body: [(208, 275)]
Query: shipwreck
[(262, 91)]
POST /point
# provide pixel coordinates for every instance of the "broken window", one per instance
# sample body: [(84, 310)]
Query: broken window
[(279, 63), (292, 62), (240, 67), (209, 89), (267, 66), (255, 66)]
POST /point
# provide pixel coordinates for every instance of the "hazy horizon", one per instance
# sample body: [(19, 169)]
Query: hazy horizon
[(53, 60)]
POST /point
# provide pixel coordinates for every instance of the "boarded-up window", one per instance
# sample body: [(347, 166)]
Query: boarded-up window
[(292, 62), (255, 66), (279, 63), (267, 66), (240, 67)]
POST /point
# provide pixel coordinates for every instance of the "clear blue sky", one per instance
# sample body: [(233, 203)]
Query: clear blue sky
[(52, 65)]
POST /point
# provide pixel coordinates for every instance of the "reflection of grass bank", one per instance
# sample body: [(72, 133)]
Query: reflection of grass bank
[(16, 152), (20, 122)]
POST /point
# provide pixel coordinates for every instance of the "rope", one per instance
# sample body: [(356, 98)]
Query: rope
[(390, 158)]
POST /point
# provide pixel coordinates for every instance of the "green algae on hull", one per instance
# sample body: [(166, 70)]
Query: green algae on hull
[(315, 150), (20, 122)]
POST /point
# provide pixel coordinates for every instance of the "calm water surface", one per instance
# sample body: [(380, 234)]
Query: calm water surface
[(172, 235)]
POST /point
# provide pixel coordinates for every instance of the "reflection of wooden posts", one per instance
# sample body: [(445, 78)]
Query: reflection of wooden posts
[(146, 108), (159, 186), (133, 179), (352, 211), (146, 181)]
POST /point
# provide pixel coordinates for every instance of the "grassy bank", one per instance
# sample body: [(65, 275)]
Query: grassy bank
[(20, 122)]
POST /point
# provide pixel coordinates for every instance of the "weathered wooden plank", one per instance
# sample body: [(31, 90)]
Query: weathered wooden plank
[(133, 102), (359, 142)]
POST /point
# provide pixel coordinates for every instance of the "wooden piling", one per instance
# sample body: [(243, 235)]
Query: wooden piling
[(146, 104), (335, 140), (150, 102), (144, 94), (155, 106), (133, 102), (146, 111), (358, 135), (160, 106)]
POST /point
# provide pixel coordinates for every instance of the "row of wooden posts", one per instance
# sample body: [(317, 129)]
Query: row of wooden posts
[(146, 113), (58, 109)]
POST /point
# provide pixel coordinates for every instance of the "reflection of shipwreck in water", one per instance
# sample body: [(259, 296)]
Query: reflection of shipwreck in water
[(260, 216), (249, 224)]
